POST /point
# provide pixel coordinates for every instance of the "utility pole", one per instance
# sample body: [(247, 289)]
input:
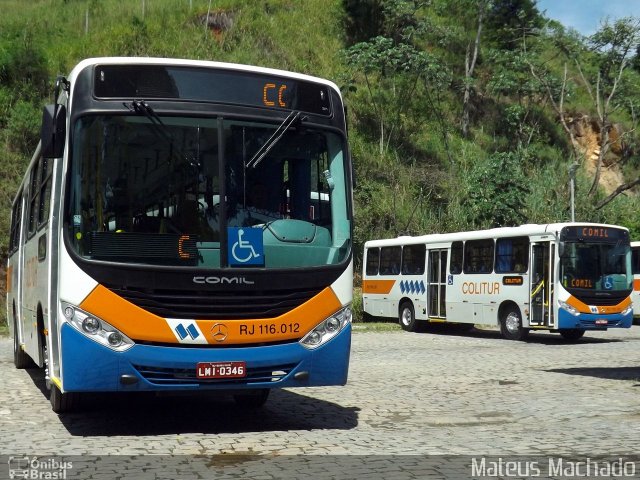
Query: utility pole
[(572, 189)]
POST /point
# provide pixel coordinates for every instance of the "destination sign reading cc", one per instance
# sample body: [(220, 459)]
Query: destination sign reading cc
[(211, 85)]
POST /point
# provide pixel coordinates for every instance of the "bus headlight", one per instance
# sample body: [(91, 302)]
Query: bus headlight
[(627, 310), (327, 329), (96, 329), (572, 310)]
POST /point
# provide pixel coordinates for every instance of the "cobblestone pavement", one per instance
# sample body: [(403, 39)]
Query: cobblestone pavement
[(430, 393)]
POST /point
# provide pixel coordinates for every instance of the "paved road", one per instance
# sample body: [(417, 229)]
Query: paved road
[(431, 393)]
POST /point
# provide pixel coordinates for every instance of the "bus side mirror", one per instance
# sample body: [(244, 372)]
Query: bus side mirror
[(561, 249), (54, 118)]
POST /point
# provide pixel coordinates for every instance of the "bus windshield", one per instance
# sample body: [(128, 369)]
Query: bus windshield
[(597, 266), (140, 185)]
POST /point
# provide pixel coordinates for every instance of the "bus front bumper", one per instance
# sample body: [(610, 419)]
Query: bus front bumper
[(89, 366), (588, 321)]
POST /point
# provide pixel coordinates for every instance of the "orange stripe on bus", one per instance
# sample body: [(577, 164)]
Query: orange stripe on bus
[(604, 309), (133, 321), (377, 286), (636, 285), (139, 324), (292, 325)]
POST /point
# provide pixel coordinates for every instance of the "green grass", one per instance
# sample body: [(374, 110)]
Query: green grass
[(390, 326)]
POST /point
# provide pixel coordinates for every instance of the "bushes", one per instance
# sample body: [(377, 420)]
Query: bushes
[(23, 127), (497, 190)]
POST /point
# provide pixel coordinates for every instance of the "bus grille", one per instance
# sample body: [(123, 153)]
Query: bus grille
[(604, 301), (187, 376), (216, 305)]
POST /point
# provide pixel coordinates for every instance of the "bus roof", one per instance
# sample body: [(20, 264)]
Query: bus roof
[(528, 229), (194, 63)]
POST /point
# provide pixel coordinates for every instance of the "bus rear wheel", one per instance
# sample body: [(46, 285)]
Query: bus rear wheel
[(407, 317), (511, 325), (572, 334)]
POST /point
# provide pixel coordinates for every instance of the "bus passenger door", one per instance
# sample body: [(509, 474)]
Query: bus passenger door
[(437, 284), (541, 284)]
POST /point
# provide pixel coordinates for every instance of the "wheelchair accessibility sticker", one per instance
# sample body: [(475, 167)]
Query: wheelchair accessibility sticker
[(245, 246)]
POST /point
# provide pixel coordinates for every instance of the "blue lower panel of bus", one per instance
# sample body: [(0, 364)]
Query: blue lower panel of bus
[(89, 366), (589, 321)]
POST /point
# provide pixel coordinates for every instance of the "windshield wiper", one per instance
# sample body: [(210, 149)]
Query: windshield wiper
[(262, 152), (160, 129)]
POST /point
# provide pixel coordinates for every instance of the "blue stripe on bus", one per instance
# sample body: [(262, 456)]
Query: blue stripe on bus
[(89, 366), (588, 320)]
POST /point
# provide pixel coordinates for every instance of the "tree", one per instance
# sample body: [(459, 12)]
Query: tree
[(363, 20), (393, 67), (601, 73), (469, 66), (614, 44), (508, 21), (497, 190)]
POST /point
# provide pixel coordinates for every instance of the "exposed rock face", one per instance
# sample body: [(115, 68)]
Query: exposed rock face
[(218, 21), (589, 142)]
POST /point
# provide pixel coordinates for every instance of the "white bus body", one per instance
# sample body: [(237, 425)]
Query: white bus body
[(184, 225)]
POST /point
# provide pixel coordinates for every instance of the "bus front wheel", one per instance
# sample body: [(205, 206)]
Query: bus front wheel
[(20, 358), (511, 325), (63, 402), (407, 317)]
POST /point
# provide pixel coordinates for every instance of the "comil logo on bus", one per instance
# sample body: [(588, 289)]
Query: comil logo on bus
[(595, 232), (222, 280)]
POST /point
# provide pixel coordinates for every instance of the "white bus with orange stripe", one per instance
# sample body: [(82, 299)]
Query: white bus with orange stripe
[(563, 277), (635, 266), (184, 225)]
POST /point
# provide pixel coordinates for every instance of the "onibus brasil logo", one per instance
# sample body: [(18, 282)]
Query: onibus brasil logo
[(38, 468)]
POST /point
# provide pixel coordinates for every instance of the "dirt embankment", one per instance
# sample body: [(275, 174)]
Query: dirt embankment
[(589, 142)]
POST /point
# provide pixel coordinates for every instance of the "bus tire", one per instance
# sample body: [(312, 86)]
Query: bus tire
[(407, 317), (367, 317), (20, 358), (572, 334), (252, 398), (63, 402), (511, 324)]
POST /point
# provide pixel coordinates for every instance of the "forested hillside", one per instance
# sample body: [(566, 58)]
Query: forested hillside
[(463, 114)]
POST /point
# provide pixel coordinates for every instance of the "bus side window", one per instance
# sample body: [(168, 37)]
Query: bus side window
[(413, 259), (478, 256), (390, 258), (456, 258), (635, 260), (512, 255), (373, 261)]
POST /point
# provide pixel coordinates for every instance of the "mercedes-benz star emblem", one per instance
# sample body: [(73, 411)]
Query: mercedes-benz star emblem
[(219, 332)]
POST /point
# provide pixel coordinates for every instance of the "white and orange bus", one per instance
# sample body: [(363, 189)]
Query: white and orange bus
[(184, 225), (635, 267), (563, 277)]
